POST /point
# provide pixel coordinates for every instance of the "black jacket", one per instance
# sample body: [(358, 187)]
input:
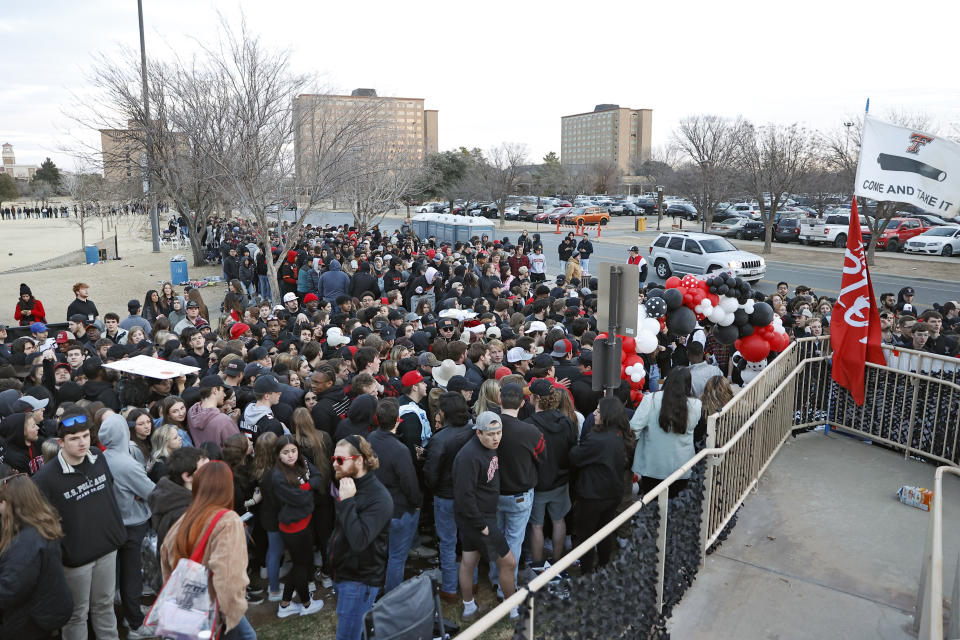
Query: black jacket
[(559, 436), (25, 458), (442, 448), (396, 471), (84, 498), (84, 307), (522, 449), (167, 501), (295, 502), (361, 282), (34, 597), (231, 267), (476, 485), (330, 409), (94, 390), (601, 460), (358, 547)]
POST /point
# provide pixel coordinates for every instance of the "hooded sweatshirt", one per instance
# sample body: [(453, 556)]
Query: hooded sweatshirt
[(168, 501), (25, 458), (560, 436), (209, 425), (131, 486), (334, 283), (359, 418), (331, 407), (288, 272)]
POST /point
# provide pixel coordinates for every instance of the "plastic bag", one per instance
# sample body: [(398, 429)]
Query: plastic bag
[(185, 608), (151, 562)]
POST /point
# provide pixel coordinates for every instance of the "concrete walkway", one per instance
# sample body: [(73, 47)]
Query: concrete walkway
[(823, 549)]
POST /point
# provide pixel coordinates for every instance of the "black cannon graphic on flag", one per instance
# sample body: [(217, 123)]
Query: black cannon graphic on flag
[(888, 162)]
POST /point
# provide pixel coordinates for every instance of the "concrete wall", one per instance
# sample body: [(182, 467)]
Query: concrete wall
[(72, 258)]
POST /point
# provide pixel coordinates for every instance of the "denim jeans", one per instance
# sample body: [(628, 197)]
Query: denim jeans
[(243, 631), (274, 558), (403, 531), (585, 265), (354, 599), (513, 513), (264, 282), (447, 534)]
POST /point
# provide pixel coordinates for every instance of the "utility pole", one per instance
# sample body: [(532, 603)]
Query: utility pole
[(147, 182)]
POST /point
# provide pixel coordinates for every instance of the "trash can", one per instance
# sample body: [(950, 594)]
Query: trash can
[(641, 223), (92, 254), (178, 272)]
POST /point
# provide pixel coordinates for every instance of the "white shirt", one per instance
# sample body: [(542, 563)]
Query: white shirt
[(538, 262)]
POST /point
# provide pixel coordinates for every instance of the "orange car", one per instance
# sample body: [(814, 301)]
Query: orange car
[(587, 215)]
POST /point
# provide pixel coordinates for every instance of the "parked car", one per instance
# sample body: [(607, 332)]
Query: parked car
[(682, 210), (630, 209), (587, 215), (787, 230), (929, 220), (751, 210), (938, 241), (701, 253), (431, 207), (897, 231), (833, 229), (728, 214)]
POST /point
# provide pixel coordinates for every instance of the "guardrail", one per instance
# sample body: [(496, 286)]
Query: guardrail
[(928, 618)]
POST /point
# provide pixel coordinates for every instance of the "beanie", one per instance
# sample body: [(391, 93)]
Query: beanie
[(24, 289)]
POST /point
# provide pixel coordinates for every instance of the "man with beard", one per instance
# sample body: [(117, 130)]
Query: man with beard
[(359, 544)]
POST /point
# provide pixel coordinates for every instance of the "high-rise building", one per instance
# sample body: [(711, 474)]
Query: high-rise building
[(122, 156), (410, 129), (609, 132)]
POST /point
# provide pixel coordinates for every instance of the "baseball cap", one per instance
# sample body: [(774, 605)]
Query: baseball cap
[(257, 353), (133, 304), (460, 383), (541, 387), (287, 297), (518, 354), (428, 318), (234, 368), (253, 369), (359, 333), (536, 325), (412, 317), (635, 249), (79, 318), (561, 348), (310, 297), (488, 421), (62, 365), (64, 336), (427, 359), (29, 403), (908, 291), (388, 333), (493, 332), (501, 372), (237, 329), (211, 381), (411, 378), (266, 384), (38, 327), (397, 314), (193, 304), (542, 361)]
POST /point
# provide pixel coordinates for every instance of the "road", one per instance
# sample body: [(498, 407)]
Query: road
[(824, 280)]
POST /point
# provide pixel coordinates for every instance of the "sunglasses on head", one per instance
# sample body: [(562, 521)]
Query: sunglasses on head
[(71, 421), (339, 460)]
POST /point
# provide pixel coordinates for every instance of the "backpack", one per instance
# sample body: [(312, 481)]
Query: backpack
[(186, 608)]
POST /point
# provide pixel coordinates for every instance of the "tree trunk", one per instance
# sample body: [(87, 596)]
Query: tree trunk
[(768, 235)]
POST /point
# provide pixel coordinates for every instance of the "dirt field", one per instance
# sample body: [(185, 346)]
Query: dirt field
[(112, 283)]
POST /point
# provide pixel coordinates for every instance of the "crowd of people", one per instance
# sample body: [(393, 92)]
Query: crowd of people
[(405, 400)]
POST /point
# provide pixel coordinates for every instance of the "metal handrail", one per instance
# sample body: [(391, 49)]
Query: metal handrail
[(930, 600)]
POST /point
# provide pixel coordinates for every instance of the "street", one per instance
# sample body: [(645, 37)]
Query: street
[(824, 280)]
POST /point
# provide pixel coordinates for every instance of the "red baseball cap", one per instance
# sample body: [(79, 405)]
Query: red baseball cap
[(501, 372), (63, 337), (310, 297), (411, 378)]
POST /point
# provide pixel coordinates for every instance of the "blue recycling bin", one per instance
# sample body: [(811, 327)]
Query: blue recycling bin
[(178, 272), (92, 254)]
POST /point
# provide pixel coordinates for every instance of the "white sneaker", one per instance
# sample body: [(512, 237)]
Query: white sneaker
[(469, 610), (316, 604), (292, 609), (514, 613), (275, 596), (263, 573), (325, 580), (140, 634)]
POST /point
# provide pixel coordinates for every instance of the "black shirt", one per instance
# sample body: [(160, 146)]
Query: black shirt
[(476, 485), (84, 307), (521, 449)]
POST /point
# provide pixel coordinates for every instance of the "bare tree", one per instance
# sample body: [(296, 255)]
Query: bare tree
[(714, 145), (500, 172), (603, 175), (774, 160), (83, 186), (380, 174)]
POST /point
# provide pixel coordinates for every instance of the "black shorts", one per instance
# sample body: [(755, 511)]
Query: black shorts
[(493, 545), (538, 277)]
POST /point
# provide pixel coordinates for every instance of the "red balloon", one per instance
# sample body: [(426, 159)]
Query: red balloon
[(629, 345), (688, 300), (630, 360), (602, 336), (779, 341), (714, 298), (697, 296), (702, 285), (754, 348), (673, 282)]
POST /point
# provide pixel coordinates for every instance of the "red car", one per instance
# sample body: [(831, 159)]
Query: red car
[(898, 230)]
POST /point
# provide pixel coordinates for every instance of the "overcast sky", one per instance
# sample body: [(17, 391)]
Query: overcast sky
[(506, 71)]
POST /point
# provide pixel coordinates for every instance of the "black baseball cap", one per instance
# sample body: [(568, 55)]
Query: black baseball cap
[(388, 333), (78, 318), (234, 368), (193, 304), (460, 383), (266, 384), (541, 387), (211, 381), (542, 361)]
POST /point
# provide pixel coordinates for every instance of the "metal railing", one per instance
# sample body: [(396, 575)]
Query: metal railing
[(928, 618)]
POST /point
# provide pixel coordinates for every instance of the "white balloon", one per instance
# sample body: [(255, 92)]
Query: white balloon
[(636, 377), (727, 321), (728, 304), (747, 306), (717, 314), (646, 342), (641, 311), (650, 325)]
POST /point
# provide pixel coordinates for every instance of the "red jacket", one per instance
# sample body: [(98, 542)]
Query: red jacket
[(37, 315), (517, 262)]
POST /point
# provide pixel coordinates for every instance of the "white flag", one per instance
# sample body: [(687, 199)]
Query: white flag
[(905, 165)]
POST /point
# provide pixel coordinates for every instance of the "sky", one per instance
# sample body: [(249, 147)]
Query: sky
[(507, 71)]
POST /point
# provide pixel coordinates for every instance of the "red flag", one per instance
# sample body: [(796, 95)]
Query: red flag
[(855, 321)]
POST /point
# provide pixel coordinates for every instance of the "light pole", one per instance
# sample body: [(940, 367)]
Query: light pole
[(148, 190), (705, 165)]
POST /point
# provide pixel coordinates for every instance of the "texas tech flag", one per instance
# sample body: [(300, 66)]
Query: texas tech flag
[(855, 322), (906, 165)]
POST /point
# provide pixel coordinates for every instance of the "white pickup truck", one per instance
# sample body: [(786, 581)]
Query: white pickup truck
[(831, 230)]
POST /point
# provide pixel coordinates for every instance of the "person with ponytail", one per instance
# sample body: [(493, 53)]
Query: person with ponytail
[(226, 552)]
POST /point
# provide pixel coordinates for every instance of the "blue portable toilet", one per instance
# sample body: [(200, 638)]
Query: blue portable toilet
[(178, 272), (92, 254)]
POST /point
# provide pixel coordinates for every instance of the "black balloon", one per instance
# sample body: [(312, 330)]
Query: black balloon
[(681, 321), (723, 290), (745, 330), (740, 317), (726, 335), (739, 282), (655, 293), (656, 307), (762, 314), (674, 299)]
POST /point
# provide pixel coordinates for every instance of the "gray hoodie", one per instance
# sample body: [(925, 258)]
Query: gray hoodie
[(131, 486)]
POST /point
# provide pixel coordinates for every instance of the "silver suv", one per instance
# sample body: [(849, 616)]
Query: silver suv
[(696, 253)]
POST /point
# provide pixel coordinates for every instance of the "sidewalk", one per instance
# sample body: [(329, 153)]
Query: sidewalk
[(823, 549)]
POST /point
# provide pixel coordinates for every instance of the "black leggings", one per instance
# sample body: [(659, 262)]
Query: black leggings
[(300, 547), (590, 516), (647, 484)]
